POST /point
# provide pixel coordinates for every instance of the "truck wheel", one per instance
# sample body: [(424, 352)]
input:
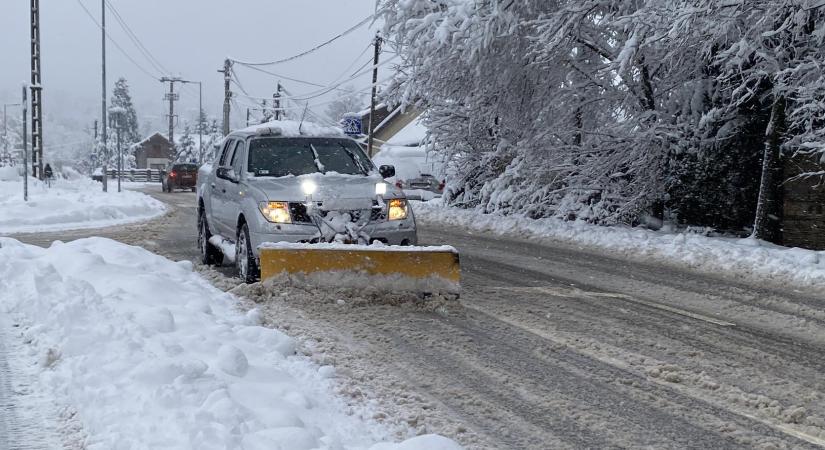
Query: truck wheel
[(209, 254), (244, 258)]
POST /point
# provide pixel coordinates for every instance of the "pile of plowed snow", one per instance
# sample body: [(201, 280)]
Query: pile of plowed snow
[(70, 204), (148, 354), (749, 258)]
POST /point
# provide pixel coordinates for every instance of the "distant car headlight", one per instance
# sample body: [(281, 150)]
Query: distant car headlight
[(276, 212), (398, 209)]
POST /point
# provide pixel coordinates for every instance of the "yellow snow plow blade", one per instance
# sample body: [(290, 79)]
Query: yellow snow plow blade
[(423, 269)]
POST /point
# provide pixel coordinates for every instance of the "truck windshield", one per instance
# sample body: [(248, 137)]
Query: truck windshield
[(279, 157)]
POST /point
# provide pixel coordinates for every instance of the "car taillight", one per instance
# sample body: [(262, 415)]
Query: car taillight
[(173, 174), (441, 185), (398, 184)]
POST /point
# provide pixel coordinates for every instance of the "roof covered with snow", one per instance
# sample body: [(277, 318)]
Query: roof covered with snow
[(411, 135)]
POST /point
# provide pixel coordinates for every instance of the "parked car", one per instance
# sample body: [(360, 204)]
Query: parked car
[(415, 170), (179, 176), (424, 182), (279, 184)]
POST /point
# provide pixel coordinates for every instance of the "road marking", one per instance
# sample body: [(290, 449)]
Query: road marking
[(579, 293)]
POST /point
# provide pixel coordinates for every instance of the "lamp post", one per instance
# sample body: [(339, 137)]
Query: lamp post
[(200, 124), (5, 132)]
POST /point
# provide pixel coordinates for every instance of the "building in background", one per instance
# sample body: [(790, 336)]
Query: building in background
[(154, 152)]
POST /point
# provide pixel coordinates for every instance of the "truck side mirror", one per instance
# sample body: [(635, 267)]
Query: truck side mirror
[(387, 171), (224, 174)]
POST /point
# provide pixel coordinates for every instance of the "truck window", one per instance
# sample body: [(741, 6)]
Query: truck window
[(237, 157), (227, 147), (278, 157)]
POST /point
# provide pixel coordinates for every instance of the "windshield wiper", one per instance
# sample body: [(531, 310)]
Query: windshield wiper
[(355, 159), (318, 163)]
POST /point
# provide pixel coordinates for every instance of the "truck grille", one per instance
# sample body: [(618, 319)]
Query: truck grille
[(299, 213)]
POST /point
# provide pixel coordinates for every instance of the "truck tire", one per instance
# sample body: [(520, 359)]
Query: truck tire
[(244, 258), (210, 255)]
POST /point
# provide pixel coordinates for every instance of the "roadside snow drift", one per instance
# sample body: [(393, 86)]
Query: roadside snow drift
[(150, 355), (750, 258), (70, 204)]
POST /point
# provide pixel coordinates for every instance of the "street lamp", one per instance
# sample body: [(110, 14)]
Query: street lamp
[(5, 132), (200, 124)]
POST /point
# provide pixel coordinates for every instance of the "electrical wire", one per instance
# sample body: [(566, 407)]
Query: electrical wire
[(327, 89), (92, 17), (307, 52), (135, 40), (336, 86)]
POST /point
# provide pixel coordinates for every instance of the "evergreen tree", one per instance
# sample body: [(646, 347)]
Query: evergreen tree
[(211, 143), (121, 98), (187, 149)]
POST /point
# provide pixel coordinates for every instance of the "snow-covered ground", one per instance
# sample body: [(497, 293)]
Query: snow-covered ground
[(145, 353), (69, 205), (749, 258)]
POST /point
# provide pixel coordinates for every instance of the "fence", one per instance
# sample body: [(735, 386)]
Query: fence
[(138, 175)]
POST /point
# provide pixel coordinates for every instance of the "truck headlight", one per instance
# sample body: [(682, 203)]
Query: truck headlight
[(276, 212), (398, 209), (309, 187)]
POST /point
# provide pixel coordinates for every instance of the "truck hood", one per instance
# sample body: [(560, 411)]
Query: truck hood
[(329, 186)]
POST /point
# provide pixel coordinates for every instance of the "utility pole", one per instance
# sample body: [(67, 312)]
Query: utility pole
[(247, 116), (172, 96), (370, 140), (25, 151), (200, 123), (276, 102), (95, 130), (227, 94), (37, 89), (103, 121)]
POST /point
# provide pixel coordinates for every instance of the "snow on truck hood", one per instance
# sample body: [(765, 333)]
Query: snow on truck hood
[(330, 185)]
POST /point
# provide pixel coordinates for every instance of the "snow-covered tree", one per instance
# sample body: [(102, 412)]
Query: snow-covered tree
[(11, 142), (349, 101), (607, 111), (187, 148), (211, 143), (121, 98)]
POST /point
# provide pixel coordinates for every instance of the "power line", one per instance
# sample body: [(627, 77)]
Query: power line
[(142, 69), (307, 52), (135, 40), (336, 86)]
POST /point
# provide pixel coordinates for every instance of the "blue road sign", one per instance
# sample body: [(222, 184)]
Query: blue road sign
[(351, 125)]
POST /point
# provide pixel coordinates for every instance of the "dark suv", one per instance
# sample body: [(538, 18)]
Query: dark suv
[(180, 176)]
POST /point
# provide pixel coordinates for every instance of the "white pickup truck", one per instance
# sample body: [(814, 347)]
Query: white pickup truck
[(301, 183)]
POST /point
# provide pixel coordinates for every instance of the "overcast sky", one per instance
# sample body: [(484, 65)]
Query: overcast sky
[(190, 38)]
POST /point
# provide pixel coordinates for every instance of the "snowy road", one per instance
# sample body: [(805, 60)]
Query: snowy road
[(557, 347)]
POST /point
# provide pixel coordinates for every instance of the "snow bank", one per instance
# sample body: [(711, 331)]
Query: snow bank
[(71, 204), (150, 355), (746, 257)]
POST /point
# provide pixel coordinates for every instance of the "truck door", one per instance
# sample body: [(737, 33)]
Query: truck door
[(219, 187), (233, 195), (208, 186)]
